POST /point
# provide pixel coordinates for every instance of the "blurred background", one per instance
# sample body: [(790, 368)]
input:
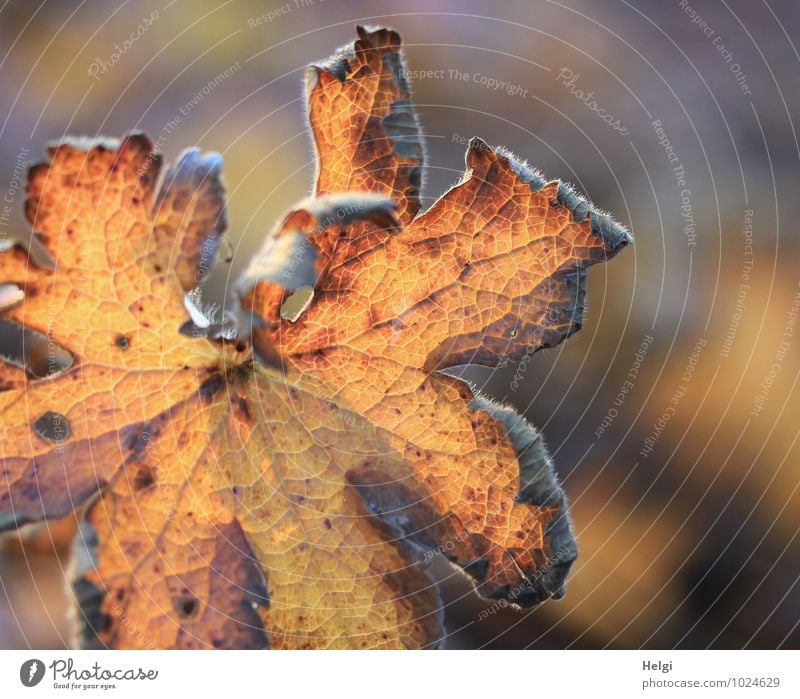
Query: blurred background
[(672, 416)]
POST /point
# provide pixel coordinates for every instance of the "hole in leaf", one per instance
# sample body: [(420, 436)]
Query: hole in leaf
[(294, 306), (34, 247), (30, 350), (186, 606), (39, 254), (122, 342), (10, 295), (53, 427)]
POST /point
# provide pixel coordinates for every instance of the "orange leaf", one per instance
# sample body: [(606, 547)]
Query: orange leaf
[(289, 494)]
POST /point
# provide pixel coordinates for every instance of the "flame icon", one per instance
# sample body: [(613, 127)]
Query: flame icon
[(31, 672)]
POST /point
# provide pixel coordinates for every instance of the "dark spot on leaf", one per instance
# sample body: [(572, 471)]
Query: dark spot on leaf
[(186, 606), (122, 342), (211, 387), (242, 408), (53, 427), (145, 477), (327, 524)]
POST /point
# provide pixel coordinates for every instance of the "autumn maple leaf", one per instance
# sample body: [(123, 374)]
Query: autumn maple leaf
[(284, 488)]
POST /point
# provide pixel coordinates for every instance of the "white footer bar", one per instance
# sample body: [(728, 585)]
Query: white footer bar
[(400, 675)]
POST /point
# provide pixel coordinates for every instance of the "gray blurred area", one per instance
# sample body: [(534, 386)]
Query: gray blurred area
[(673, 415)]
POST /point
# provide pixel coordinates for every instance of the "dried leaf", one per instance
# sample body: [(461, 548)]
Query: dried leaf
[(288, 494)]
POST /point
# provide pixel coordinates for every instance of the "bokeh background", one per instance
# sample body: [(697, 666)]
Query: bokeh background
[(689, 542)]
